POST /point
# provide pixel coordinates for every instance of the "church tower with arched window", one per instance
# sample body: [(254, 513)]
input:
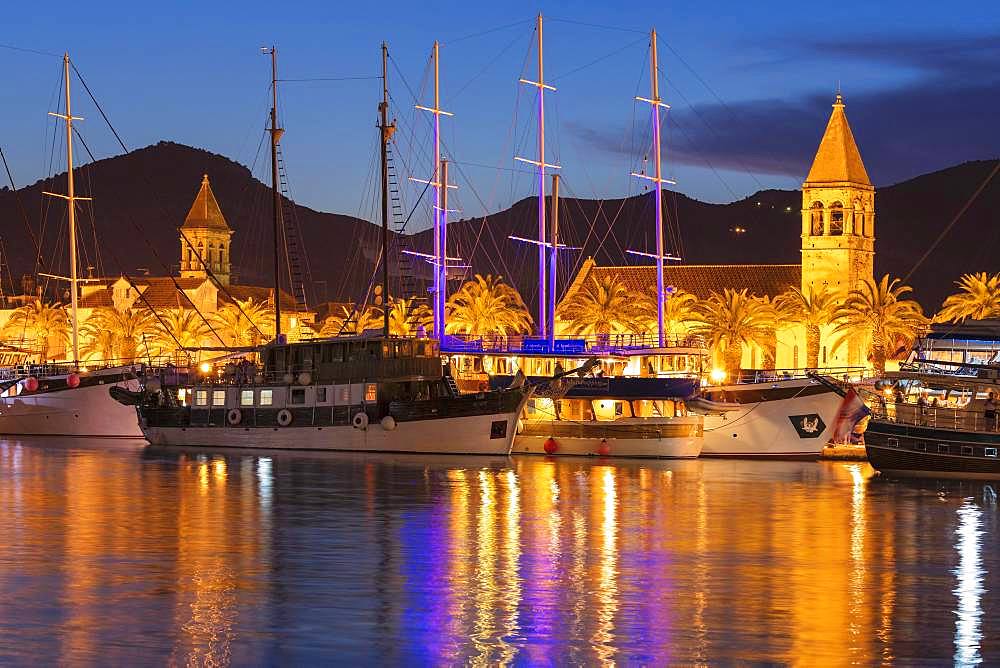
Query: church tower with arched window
[(838, 212), (207, 231)]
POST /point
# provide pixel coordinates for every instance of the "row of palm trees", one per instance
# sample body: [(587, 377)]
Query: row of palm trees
[(125, 334), (877, 312), (733, 319), (730, 320)]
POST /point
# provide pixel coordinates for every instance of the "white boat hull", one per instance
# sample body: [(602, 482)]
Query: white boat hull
[(472, 435), (778, 428), (83, 411), (677, 438)]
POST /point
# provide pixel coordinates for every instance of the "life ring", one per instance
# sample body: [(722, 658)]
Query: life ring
[(284, 417), (360, 421), (234, 416)]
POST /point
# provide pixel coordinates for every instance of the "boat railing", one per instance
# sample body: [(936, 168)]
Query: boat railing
[(600, 344), (50, 369), (845, 373), (935, 417)]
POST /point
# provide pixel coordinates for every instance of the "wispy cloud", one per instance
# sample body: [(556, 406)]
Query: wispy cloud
[(943, 112)]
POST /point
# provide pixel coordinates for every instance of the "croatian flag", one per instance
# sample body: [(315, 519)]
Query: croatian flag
[(852, 410)]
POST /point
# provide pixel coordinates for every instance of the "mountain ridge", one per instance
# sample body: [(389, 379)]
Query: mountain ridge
[(143, 218)]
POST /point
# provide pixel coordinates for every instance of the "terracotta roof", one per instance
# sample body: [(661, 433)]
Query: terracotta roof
[(701, 279), (838, 159), (205, 212), (160, 291)]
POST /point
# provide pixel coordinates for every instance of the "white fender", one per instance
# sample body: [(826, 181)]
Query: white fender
[(388, 423)]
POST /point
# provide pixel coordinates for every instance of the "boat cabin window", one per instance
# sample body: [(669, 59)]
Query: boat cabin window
[(266, 397), (298, 395), (201, 397), (246, 398), (966, 449), (990, 452), (320, 395), (218, 397), (607, 410), (654, 408)]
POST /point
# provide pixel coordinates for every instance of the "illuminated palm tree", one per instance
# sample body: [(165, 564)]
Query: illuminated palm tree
[(604, 306), (41, 323), (96, 341), (348, 320), (244, 323), (487, 305), (679, 308), (777, 312), (878, 311), (178, 329), (813, 309), (730, 320), (114, 334), (978, 298), (406, 315)]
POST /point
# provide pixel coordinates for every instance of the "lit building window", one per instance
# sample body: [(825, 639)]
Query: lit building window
[(371, 392), (219, 398), (201, 397), (246, 398), (266, 397)]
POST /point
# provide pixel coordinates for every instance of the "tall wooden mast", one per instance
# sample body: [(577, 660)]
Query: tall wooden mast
[(71, 200), (540, 163), (385, 133), (439, 259), (276, 133), (657, 178)]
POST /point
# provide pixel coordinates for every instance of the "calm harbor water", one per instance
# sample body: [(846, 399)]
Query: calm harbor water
[(121, 553)]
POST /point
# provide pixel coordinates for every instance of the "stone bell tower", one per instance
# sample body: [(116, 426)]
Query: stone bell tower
[(206, 229), (838, 212)]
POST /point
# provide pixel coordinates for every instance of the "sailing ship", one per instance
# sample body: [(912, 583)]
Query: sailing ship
[(366, 393), (642, 415), (66, 399), (934, 420)]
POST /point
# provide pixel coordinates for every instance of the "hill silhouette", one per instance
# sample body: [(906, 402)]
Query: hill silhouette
[(141, 198)]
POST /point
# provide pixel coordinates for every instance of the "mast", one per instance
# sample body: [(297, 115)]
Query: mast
[(276, 133), (553, 258), (385, 131), (71, 200), (655, 83), (658, 180), (438, 259), (543, 305)]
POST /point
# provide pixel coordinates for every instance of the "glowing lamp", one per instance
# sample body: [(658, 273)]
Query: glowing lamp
[(717, 376), (205, 367)]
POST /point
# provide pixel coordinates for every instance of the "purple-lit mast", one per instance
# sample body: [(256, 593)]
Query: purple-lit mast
[(440, 260), (543, 304), (657, 178)]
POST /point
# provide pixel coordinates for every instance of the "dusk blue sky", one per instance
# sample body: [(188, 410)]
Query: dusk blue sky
[(750, 85)]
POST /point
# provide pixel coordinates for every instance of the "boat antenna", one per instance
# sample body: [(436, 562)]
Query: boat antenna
[(71, 200), (386, 131), (276, 134)]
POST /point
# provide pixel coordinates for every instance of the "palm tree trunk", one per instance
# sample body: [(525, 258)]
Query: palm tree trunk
[(770, 349), (733, 356), (878, 353), (812, 346)]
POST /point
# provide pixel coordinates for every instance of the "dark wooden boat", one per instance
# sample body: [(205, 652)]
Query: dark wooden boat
[(932, 424)]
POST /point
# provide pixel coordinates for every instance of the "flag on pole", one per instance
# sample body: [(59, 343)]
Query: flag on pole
[(852, 410)]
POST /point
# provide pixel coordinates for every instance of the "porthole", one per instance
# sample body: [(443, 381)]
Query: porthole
[(966, 449), (990, 452)]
